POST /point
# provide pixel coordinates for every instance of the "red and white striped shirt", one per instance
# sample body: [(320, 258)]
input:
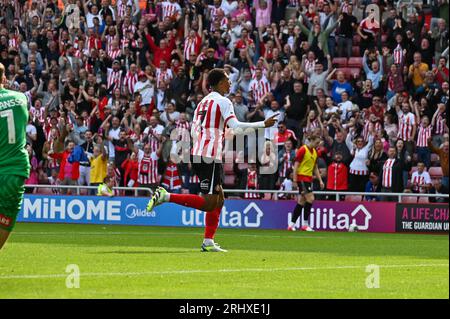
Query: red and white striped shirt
[(223, 25), (208, 129), (109, 39), (52, 162), (259, 87), (309, 68), (440, 125), (314, 124), (406, 124), (194, 179), (114, 78), (129, 81), (122, 7), (38, 113), (192, 46), (171, 178), (163, 76), (13, 43), (148, 169), (128, 28), (252, 183), (114, 53), (213, 12), (368, 126), (183, 131), (170, 9), (398, 55), (287, 164), (420, 180), (387, 173), (423, 134)]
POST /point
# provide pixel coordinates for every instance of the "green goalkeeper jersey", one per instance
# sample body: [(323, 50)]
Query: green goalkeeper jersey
[(13, 122)]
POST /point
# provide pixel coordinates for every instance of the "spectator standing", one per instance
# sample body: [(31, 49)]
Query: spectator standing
[(392, 168), (421, 180), (443, 159), (68, 172)]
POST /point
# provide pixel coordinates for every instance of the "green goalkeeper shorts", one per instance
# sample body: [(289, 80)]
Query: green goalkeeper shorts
[(11, 197)]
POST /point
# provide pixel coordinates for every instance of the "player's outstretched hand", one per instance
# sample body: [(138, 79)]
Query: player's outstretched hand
[(271, 120)]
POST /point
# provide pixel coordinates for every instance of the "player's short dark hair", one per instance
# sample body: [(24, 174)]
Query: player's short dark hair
[(215, 76)]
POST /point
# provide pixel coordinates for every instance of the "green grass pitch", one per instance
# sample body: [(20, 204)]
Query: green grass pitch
[(150, 262)]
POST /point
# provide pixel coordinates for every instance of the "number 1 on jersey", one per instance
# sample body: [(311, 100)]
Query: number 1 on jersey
[(11, 128)]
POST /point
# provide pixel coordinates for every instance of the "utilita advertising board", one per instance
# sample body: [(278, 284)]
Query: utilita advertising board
[(325, 215)]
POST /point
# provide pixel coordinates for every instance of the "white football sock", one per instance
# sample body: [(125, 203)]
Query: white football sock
[(208, 242)]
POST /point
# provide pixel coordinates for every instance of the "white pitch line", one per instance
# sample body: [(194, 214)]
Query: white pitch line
[(173, 234), (176, 233), (178, 272)]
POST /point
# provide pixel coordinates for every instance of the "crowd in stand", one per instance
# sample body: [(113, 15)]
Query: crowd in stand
[(109, 82)]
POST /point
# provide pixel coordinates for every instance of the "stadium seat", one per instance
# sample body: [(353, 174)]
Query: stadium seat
[(267, 196), (409, 199), (435, 159), (435, 172), (355, 62), (353, 71), (353, 198), (340, 62), (384, 38), (229, 181), (356, 39), (242, 166), (44, 191), (228, 169), (355, 51), (346, 72), (413, 169)]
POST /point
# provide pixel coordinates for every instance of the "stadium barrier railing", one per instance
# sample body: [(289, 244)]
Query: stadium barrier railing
[(337, 194), (78, 188)]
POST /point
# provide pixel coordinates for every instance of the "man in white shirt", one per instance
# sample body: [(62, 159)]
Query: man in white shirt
[(270, 132), (91, 14), (145, 88), (113, 134), (345, 106), (421, 180)]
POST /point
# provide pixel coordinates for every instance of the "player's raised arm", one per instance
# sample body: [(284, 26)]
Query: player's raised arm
[(220, 83)]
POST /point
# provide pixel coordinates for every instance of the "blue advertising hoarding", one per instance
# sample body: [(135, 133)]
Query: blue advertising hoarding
[(251, 214)]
